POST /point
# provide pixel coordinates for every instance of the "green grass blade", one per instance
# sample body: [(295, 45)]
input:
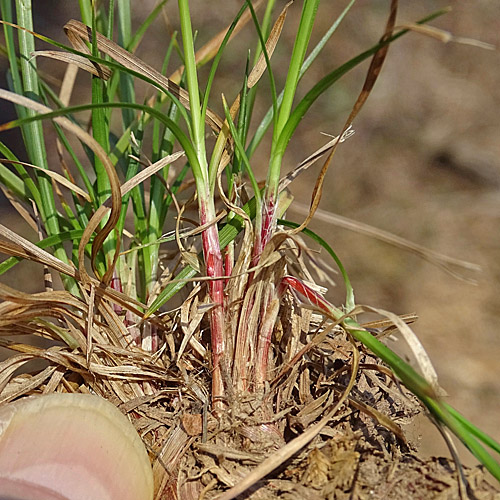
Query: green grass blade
[(304, 30), (140, 224), (127, 92), (478, 433), (197, 122), (214, 163), (162, 139), (299, 50), (86, 11), (421, 388), (173, 127), (217, 58), (100, 132), (186, 274), (76, 161), (175, 187), (15, 72), (46, 93), (244, 117), (18, 184), (266, 121), (116, 66), (252, 94), (272, 82), (163, 145), (100, 124), (324, 39), (33, 132), (462, 429)]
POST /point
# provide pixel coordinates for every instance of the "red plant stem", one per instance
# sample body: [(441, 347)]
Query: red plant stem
[(215, 269), (314, 297)]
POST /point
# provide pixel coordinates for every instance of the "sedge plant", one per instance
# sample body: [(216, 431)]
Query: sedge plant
[(106, 237)]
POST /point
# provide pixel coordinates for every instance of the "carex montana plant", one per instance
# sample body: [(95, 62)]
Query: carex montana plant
[(114, 221)]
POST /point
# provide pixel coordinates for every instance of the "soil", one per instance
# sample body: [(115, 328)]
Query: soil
[(351, 467), (361, 453)]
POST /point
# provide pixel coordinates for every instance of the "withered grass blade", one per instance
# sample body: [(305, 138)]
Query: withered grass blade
[(55, 176), (75, 60), (78, 32), (114, 183), (443, 261), (272, 41)]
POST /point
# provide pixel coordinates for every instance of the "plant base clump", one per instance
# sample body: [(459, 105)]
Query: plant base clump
[(361, 452)]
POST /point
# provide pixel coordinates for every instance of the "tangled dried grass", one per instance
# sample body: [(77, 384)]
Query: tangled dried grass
[(286, 424)]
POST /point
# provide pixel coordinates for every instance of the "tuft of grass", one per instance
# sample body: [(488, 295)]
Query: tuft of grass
[(108, 234)]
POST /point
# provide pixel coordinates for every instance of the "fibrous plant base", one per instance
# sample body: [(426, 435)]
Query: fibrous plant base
[(360, 453)]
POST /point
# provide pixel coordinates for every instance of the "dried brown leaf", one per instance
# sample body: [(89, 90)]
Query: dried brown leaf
[(421, 356), (191, 316), (10, 366), (78, 32), (293, 446), (379, 417), (55, 176), (20, 247), (26, 386), (19, 207), (445, 36), (80, 62), (149, 171), (274, 36), (115, 198), (313, 158), (67, 85)]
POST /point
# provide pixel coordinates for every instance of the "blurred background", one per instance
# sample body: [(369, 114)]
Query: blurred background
[(424, 164)]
